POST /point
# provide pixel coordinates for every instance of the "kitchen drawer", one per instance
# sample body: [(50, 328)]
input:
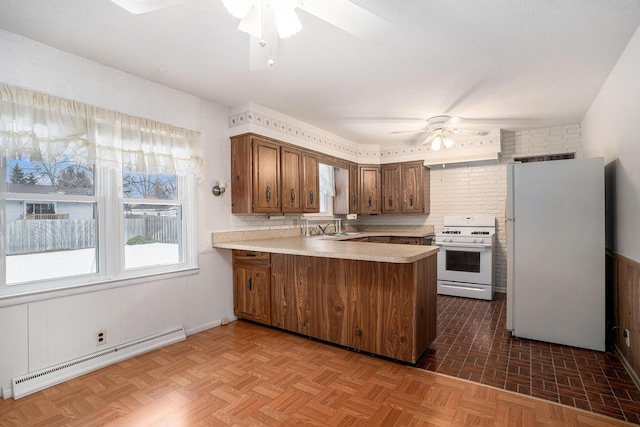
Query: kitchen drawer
[(251, 257)]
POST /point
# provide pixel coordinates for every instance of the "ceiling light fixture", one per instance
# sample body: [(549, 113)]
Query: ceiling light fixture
[(441, 140), (251, 15)]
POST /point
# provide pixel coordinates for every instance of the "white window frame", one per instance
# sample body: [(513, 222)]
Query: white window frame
[(109, 200)]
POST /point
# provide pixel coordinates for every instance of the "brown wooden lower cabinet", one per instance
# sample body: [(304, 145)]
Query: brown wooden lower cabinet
[(383, 308), (309, 296), (252, 285)]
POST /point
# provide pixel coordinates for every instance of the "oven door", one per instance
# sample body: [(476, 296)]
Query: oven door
[(468, 263)]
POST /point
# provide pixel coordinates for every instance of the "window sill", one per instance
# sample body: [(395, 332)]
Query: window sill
[(12, 295)]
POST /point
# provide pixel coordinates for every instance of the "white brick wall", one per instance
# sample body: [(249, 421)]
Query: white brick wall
[(464, 188)]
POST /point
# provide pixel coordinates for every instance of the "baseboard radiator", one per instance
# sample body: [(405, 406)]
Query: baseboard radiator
[(39, 380)]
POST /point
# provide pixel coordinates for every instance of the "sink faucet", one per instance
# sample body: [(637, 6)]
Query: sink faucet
[(324, 229)]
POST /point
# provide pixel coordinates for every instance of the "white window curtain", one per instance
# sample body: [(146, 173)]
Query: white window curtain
[(45, 128)]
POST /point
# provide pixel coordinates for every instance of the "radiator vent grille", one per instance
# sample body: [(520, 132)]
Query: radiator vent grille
[(48, 371), (36, 381)]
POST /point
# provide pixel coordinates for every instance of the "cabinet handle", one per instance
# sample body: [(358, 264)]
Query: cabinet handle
[(268, 194), (293, 196), (355, 201), (390, 201), (250, 254), (370, 201), (250, 284), (411, 200), (311, 197)]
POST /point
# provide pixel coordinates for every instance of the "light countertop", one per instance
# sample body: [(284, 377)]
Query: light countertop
[(337, 247)]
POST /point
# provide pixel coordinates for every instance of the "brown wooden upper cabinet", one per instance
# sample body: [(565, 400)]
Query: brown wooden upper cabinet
[(369, 193), (353, 189), (255, 174), (310, 183), (269, 176), (292, 192), (390, 175), (404, 188), (272, 177), (414, 187)]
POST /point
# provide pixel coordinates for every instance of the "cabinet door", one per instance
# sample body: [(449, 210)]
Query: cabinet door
[(415, 188), (291, 296), (390, 175), (310, 183), (241, 175), (291, 164), (266, 177), (369, 189), (252, 293), (381, 308), (353, 189)]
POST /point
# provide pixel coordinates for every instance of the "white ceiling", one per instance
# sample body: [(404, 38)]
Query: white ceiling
[(510, 64)]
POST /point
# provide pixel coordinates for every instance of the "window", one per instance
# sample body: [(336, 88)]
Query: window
[(153, 227), (51, 221), (327, 188), (91, 195)]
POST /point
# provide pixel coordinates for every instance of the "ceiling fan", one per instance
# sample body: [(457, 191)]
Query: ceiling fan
[(268, 20), (439, 127)]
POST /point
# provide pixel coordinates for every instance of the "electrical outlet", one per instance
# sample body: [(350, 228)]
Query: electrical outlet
[(627, 338), (101, 337)]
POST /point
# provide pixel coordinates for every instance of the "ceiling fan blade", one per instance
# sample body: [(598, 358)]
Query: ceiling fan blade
[(351, 18), (264, 57), (458, 131), (411, 131), (144, 6)]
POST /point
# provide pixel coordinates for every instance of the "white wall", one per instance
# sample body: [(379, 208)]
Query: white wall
[(610, 129), (62, 327)]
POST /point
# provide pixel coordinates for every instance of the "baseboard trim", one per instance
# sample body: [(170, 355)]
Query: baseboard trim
[(35, 381), (627, 366), (215, 324)]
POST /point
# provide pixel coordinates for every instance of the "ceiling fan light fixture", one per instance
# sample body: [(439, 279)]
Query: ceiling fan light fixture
[(251, 23), (238, 8), (436, 143), (440, 141), (287, 22)]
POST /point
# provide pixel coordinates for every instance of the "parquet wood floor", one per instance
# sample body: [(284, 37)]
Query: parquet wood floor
[(244, 374)]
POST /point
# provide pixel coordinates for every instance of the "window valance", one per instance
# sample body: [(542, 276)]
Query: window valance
[(45, 128)]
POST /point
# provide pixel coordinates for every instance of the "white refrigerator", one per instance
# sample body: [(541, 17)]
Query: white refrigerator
[(556, 252)]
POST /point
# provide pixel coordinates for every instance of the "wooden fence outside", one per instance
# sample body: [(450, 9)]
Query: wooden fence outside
[(47, 235), (163, 229)]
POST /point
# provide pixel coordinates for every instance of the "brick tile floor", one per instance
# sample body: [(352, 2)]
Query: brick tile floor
[(473, 344)]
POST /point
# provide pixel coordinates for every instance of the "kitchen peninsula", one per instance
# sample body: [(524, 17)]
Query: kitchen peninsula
[(374, 297)]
